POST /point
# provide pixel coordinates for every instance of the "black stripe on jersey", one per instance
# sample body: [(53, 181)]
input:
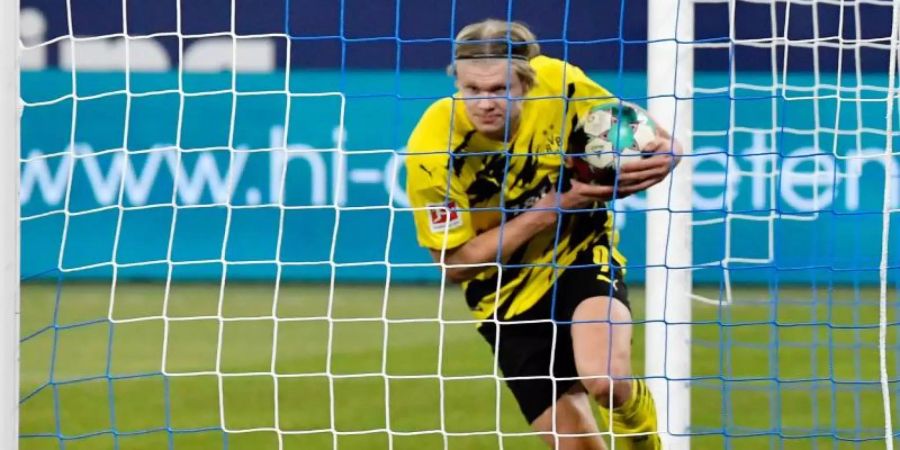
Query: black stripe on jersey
[(465, 142), (459, 162), (511, 298), (488, 180), (571, 92), (577, 138), (529, 168), (527, 198), (586, 226), (477, 290)]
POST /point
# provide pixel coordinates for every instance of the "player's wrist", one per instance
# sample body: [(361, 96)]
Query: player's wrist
[(543, 217)]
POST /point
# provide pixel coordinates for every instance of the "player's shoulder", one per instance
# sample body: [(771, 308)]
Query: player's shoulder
[(442, 126), (428, 147), (432, 123), (549, 67), (556, 76), (441, 108), (555, 71)]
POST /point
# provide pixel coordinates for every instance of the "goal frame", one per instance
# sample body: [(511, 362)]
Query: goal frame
[(9, 227), (667, 348)]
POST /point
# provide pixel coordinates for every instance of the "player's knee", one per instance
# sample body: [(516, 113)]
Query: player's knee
[(600, 388), (570, 412), (608, 390)]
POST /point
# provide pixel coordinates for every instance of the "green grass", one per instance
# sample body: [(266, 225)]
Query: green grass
[(107, 375)]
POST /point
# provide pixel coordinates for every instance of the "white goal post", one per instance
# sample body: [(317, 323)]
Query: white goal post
[(670, 29), (9, 223)]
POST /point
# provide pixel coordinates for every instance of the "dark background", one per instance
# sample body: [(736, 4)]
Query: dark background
[(415, 34)]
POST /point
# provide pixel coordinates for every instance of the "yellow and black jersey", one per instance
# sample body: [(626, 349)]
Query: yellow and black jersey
[(462, 183)]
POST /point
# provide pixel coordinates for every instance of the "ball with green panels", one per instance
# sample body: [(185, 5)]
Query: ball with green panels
[(609, 135)]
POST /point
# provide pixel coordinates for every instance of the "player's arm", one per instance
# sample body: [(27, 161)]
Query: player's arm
[(444, 225), (472, 257), (468, 260), (441, 206)]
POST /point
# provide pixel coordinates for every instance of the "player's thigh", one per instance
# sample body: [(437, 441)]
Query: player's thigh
[(601, 338), (574, 416)]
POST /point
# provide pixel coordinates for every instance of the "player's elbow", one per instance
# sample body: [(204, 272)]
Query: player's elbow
[(457, 275), (453, 263)]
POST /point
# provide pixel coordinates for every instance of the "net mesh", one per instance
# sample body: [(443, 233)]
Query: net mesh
[(218, 250)]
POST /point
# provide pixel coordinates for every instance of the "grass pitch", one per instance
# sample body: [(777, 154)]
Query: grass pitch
[(798, 373)]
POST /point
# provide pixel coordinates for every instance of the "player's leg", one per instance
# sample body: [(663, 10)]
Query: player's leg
[(525, 353), (601, 341), (573, 417)]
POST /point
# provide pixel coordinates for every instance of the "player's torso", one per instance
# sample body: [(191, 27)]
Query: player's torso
[(513, 175), (507, 179)]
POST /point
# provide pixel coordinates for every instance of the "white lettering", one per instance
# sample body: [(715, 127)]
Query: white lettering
[(278, 171), (138, 188), (807, 177), (820, 177), (339, 165), (206, 173), (104, 186), (715, 178), (855, 168), (36, 171), (366, 176)]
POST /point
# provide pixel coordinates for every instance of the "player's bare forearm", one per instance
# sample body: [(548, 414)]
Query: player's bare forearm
[(468, 260), (483, 248)]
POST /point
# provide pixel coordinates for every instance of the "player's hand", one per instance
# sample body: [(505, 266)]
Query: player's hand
[(579, 196), (636, 176)]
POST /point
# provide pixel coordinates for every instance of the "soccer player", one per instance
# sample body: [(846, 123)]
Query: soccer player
[(534, 249)]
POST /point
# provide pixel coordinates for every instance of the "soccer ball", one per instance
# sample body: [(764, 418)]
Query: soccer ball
[(609, 135)]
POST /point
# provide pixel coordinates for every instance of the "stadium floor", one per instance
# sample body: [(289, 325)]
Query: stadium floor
[(799, 373)]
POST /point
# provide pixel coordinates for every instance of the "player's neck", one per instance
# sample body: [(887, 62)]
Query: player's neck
[(504, 135)]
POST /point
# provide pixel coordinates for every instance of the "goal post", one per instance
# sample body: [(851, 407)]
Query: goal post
[(670, 28), (9, 223)]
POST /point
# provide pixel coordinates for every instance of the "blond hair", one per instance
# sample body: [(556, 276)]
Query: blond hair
[(498, 39)]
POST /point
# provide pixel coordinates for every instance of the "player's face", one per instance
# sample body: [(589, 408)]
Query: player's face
[(486, 86)]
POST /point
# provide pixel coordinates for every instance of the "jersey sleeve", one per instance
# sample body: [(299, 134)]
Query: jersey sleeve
[(570, 82), (439, 201), (586, 93)]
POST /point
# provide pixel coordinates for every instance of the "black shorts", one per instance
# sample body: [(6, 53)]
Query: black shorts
[(526, 349)]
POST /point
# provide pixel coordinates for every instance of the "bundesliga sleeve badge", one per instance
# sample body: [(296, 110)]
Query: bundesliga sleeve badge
[(444, 216)]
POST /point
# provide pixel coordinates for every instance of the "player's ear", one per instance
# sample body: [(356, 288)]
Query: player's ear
[(458, 90), (524, 83)]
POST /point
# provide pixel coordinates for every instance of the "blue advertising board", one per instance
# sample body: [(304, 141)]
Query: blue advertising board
[(306, 170), (129, 162)]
